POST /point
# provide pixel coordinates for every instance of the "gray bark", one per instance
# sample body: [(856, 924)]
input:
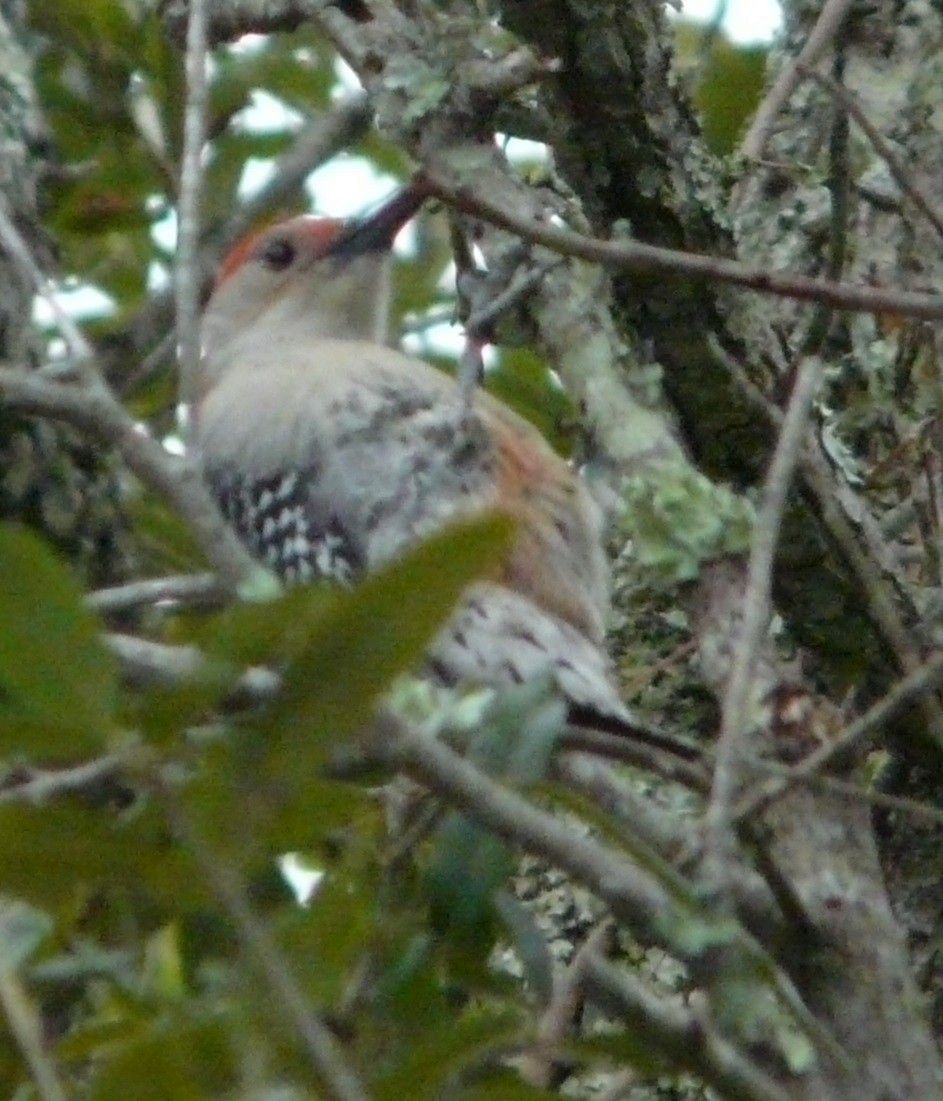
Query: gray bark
[(50, 478)]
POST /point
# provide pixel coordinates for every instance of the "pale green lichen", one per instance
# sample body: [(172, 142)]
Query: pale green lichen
[(677, 519)]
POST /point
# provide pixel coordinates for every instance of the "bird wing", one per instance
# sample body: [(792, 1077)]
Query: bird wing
[(499, 638)]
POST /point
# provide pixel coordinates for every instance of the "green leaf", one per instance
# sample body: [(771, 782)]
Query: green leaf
[(57, 681), (343, 649), (251, 803), (50, 852), (162, 971), (365, 638), (169, 1060), (469, 864), (83, 962), (520, 732), (728, 81), (339, 651), (325, 939), (411, 989), (502, 1084), (628, 1047), (530, 944), (165, 537), (446, 1053)]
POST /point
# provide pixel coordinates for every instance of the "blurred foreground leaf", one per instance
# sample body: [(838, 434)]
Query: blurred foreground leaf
[(339, 652), (57, 681)]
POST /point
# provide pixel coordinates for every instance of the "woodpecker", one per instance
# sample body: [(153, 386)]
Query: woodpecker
[(330, 452)]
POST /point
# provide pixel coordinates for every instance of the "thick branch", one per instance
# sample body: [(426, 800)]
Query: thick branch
[(95, 411)]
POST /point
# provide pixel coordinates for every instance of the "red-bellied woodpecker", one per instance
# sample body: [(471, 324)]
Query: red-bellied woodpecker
[(330, 452)]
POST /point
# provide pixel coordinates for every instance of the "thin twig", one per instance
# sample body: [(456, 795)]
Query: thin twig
[(186, 273), (145, 662), (632, 895), (199, 588), (853, 793), (739, 692), (826, 27), (680, 1036), (754, 617), (80, 351), (855, 736), (847, 519), (161, 353), (830, 493), (881, 145), (321, 138), (91, 406), (40, 785), (326, 1056), (24, 1024), (638, 897), (640, 257), (619, 798), (480, 321), (617, 748), (229, 21), (838, 182), (537, 1064)]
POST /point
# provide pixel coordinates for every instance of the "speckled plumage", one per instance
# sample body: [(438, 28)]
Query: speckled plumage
[(330, 453), (272, 517)]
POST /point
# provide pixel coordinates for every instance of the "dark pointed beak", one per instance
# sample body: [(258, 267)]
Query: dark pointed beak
[(377, 231)]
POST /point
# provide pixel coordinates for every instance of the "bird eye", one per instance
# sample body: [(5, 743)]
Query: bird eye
[(277, 253)]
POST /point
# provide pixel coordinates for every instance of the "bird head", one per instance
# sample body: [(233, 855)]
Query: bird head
[(308, 278)]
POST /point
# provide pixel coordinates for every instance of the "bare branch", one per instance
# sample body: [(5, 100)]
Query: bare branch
[(826, 28), (326, 1056), (883, 148), (536, 1065), (145, 663), (754, 616), (681, 1036), (855, 736), (640, 257), (80, 351), (321, 138), (229, 21), (95, 411), (23, 1020), (38, 786), (186, 273), (838, 504), (202, 588), (634, 895)]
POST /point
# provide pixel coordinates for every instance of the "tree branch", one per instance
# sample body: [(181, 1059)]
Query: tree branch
[(681, 1036), (95, 411), (636, 256), (821, 36), (203, 588), (186, 271), (739, 691), (326, 1056)]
